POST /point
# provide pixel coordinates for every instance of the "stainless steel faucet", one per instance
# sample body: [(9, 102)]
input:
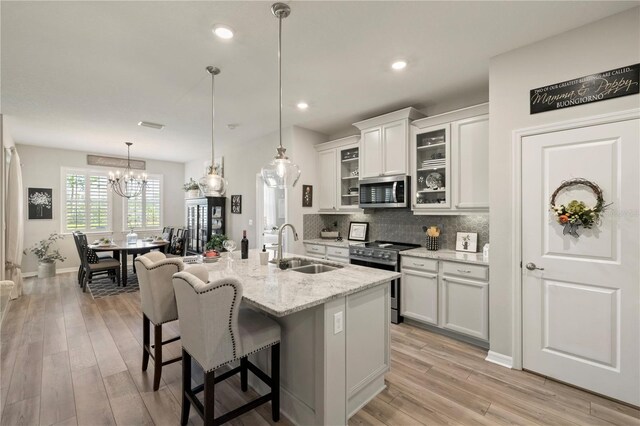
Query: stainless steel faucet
[(295, 238)]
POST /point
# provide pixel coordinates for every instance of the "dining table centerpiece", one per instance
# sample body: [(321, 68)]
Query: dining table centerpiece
[(47, 256)]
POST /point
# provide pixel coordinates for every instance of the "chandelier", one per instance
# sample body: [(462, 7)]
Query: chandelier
[(126, 184), (213, 184), (281, 172)]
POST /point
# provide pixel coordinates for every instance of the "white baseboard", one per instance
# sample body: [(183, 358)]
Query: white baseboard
[(500, 359), (58, 271)]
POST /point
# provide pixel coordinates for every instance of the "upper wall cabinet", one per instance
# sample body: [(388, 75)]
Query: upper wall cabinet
[(384, 143), (450, 162), (338, 189)]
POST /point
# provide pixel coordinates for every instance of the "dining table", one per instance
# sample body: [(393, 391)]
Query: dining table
[(121, 249)]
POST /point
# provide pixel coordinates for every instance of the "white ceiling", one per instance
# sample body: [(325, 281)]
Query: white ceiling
[(80, 75)]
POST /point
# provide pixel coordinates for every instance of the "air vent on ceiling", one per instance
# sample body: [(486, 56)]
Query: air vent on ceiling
[(150, 124)]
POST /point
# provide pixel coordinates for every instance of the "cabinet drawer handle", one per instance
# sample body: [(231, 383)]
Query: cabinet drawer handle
[(418, 264), (464, 271)]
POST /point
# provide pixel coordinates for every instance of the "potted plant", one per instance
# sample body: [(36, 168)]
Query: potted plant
[(47, 258), (214, 245), (191, 189)]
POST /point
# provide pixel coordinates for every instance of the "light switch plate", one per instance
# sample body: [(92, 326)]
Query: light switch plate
[(250, 222), (337, 323)]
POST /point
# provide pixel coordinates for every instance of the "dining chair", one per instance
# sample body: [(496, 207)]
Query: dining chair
[(109, 266), (178, 246), (93, 257), (155, 273), (167, 234), (215, 331)]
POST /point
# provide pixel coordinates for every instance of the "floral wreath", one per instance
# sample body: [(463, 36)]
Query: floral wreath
[(576, 213)]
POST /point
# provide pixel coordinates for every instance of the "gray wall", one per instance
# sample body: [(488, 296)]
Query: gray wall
[(41, 168), (599, 46), (401, 226)]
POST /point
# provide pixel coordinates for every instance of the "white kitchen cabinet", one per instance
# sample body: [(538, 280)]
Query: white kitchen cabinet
[(451, 148), (419, 296), (326, 187), (446, 294), (315, 250), (471, 153), (465, 306), (384, 143), (338, 167)]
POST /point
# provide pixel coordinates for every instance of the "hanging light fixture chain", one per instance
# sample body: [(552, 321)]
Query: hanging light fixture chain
[(280, 76)]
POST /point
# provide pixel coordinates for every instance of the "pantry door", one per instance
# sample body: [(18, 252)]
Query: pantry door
[(581, 306)]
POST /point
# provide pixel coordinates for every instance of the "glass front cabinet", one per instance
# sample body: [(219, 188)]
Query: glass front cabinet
[(348, 188), (339, 169), (431, 167)]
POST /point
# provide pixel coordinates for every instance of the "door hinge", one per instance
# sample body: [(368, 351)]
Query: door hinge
[(521, 264)]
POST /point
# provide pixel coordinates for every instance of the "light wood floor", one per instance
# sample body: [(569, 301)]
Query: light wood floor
[(69, 360)]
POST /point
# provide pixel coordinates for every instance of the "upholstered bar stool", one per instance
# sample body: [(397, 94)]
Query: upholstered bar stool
[(217, 331), (155, 273)]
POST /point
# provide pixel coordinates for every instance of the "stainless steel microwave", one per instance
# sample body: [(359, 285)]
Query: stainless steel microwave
[(384, 192)]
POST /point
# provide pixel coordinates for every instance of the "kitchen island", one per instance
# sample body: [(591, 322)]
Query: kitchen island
[(335, 333)]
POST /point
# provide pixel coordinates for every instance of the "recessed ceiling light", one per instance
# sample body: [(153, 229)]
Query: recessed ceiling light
[(223, 32), (150, 124), (399, 65), (302, 105)]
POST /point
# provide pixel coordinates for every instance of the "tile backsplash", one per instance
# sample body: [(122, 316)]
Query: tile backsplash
[(400, 226)]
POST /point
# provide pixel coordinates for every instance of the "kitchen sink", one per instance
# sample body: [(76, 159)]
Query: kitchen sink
[(314, 268)]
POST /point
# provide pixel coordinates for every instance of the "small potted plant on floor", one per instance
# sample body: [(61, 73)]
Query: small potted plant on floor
[(47, 258), (214, 245), (191, 189)]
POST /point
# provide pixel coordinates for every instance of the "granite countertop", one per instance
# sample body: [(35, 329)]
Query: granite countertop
[(456, 256), (330, 242), (282, 293)]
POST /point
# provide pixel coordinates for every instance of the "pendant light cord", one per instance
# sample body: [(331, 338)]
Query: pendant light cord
[(213, 115), (280, 75)]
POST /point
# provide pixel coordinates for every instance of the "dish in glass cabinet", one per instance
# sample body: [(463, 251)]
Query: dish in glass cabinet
[(434, 180)]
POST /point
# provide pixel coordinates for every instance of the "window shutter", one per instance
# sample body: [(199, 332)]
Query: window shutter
[(152, 201), (75, 205), (134, 212), (98, 203)]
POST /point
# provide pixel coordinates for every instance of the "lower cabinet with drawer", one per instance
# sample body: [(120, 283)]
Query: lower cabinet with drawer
[(335, 254), (449, 295)]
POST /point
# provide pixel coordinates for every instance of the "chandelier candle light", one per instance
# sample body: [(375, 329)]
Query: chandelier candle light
[(212, 184), (126, 184), (281, 172)]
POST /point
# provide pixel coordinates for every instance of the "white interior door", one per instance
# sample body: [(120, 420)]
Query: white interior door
[(581, 314)]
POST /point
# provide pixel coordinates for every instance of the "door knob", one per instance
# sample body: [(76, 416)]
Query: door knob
[(532, 267)]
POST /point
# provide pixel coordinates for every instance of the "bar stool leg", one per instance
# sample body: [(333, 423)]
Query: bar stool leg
[(157, 356), (145, 341), (209, 398), (186, 385), (244, 376), (275, 382)]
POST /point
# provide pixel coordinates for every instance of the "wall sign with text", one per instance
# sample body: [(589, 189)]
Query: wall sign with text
[(584, 90)]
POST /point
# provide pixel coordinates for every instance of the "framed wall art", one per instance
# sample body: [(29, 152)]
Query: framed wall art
[(358, 231), (307, 195), (40, 203), (236, 204)]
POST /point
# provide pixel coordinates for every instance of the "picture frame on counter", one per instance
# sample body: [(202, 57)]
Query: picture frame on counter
[(467, 242), (358, 231)]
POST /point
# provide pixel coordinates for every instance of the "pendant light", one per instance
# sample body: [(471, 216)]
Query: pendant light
[(281, 172), (125, 184), (213, 184)]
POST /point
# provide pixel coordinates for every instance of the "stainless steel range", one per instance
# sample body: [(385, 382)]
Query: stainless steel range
[(382, 255)]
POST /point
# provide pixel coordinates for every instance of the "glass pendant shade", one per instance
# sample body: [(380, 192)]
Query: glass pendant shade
[(281, 173), (212, 184)]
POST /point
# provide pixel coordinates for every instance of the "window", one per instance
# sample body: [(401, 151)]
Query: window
[(144, 211), (86, 203)]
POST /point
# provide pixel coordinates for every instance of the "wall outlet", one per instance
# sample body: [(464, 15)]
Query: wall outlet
[(250, 222), (337, 323)]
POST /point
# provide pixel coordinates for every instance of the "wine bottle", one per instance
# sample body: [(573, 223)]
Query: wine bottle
[(244, 246)]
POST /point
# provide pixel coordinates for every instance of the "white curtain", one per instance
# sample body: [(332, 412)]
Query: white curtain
[(14, 221)]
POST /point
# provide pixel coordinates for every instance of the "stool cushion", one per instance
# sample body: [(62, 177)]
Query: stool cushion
[(257, 331), (104, 264), (156, 289)]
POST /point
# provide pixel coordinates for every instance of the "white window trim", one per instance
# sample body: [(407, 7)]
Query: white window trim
[(125, 208), (63, 200)]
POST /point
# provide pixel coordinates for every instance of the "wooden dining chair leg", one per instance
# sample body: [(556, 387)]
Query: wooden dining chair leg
[(146, 332), (186, 386), (209, 398), (157, 356), (244, 376)]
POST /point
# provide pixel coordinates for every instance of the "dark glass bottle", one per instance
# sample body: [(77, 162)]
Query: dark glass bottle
[(244, 246)]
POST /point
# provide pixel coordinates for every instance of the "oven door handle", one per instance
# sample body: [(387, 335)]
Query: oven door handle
[(395, 192), (374, 261)]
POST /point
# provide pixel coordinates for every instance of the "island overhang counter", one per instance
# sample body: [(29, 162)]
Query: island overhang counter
[(335, 334)]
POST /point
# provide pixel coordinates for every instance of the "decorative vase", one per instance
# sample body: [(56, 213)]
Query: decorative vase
[(193, 193), (46, 269)]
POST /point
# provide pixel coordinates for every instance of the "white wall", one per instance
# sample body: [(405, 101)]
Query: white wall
[(242, 161), (41, 168), (599, 46)]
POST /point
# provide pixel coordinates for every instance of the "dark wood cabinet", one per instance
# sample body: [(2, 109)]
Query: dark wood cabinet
[(205, 216)]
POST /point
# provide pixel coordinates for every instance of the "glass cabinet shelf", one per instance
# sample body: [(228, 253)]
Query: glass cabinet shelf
[(431, 168), (348, 186)]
